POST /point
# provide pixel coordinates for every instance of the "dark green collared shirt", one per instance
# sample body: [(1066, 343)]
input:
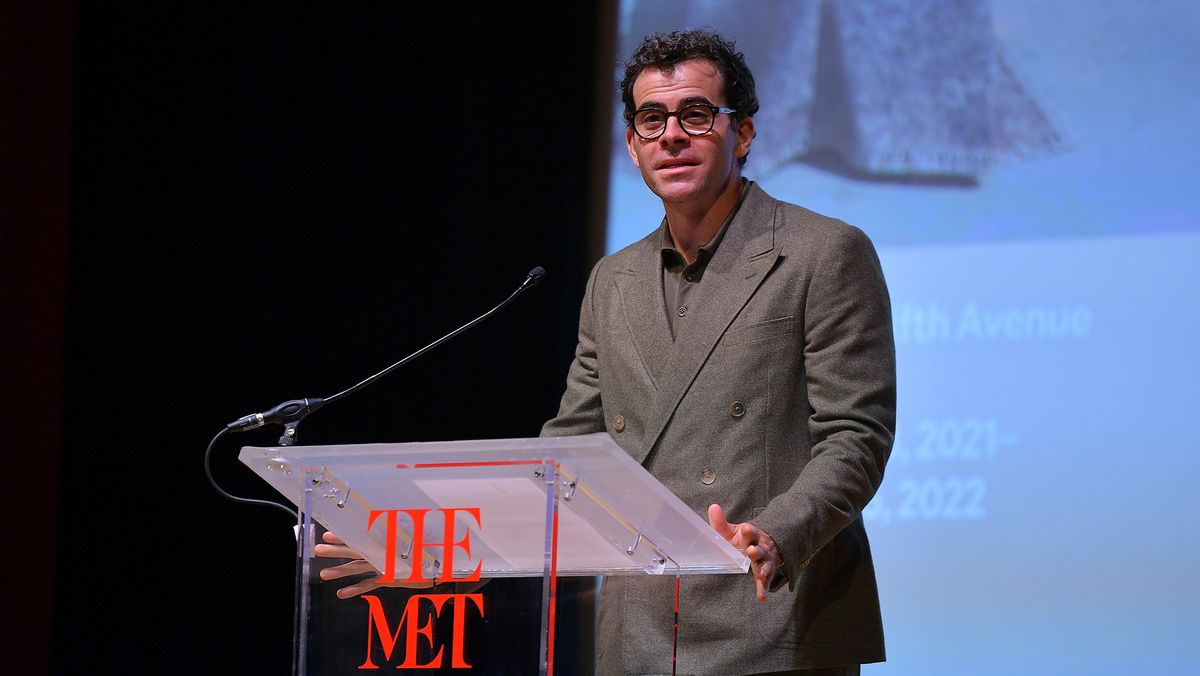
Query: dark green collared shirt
[(679, 279)]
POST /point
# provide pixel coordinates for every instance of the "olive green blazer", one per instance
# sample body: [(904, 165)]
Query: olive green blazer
[(776, 400)]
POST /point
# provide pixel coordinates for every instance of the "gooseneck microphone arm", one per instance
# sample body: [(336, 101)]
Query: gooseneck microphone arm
[(293, 411), (535, 275), (290, 413)]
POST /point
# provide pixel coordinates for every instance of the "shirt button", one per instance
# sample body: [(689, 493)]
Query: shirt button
[(619, 423), (690, 278), (737, 409), (707, 477), (682, 311)]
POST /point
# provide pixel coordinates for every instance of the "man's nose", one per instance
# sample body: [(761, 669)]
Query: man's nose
[(673, 132)]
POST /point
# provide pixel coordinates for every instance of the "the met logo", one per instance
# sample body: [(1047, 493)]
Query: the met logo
[(410, 619)]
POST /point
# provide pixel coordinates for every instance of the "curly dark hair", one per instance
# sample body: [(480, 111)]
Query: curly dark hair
[(663, 51)]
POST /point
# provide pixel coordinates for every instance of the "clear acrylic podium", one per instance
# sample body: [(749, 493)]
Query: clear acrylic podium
[(446, 519)]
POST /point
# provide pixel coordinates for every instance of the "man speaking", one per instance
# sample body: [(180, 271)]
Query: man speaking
[(743, 353)]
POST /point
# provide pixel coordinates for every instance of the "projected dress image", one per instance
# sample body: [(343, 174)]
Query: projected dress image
[(874, 90), (929, 122)]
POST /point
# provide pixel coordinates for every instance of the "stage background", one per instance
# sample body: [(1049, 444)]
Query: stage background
[(1028, 173), (272, 202)]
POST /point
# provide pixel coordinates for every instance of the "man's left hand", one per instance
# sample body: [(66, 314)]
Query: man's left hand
[(755, 543)]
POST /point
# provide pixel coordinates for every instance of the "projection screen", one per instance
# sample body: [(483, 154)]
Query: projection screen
[(1028, 171)]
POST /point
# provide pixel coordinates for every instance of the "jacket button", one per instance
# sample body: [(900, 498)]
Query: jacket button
[(707, 477), (619, 423), (737, 409)]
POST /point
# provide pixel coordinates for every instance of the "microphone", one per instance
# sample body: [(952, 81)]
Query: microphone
[(290, 413), (533, 278), (284, 413)]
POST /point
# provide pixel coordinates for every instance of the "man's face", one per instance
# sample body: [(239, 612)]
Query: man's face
[(688, 170)]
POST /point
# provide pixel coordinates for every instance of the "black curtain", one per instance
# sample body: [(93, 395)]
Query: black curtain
[(272, 202), (35, 122)]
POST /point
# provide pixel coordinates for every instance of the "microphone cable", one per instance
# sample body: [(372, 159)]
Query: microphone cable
[(226, 494)]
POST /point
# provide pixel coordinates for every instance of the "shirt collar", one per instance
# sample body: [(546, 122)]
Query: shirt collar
[(671, 255)]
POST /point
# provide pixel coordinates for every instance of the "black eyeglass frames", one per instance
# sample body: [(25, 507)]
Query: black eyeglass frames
[(695, 119)]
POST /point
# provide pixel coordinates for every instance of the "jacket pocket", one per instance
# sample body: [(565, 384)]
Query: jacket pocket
[(771, 328)]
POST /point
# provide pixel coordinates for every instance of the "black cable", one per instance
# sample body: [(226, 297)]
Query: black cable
[(245, 501)]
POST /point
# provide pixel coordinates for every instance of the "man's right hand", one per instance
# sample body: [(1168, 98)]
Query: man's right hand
[(335, 548)]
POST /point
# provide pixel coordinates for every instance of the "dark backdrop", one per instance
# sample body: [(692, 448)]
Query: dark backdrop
[(271, 202)]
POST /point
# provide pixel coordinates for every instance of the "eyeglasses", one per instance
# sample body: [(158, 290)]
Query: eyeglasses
[(695, 119)]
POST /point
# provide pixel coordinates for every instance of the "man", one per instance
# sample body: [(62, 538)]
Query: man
[(743, 353)]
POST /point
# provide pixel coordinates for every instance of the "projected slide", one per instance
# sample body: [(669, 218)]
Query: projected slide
[(1028, 171)]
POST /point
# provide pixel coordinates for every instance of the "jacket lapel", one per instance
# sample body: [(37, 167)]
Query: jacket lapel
[(738, 267), (640, 288)]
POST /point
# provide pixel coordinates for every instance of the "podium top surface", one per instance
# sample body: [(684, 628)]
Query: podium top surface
[(610, 516)]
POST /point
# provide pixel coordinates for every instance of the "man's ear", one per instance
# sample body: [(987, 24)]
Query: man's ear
[(629, 141), (745, 136)]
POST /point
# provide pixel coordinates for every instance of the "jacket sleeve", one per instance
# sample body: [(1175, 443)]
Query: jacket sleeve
[(581, 410), (850, 375)]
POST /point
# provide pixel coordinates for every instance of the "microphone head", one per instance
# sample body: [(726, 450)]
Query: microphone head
[(535, 275)]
